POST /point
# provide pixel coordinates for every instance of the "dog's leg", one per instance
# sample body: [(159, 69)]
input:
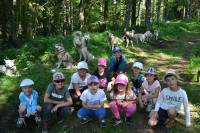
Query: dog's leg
[(59, 64)]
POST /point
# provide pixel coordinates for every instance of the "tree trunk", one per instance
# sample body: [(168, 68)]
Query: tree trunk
[(3, 20), (81, 14), (127, 15), (105, 13), (165, 12), (148, 14), (189, 9), (133, 16), (158, 5)]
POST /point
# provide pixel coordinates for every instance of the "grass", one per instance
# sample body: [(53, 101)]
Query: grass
[(38, 57)]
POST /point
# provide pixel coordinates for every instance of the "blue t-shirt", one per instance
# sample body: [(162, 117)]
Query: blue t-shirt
[(115, 66), (29, 102)]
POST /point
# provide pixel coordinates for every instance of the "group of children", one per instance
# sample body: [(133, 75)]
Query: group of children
[(87, 93)]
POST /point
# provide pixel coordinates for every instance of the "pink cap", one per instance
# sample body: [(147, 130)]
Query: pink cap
[(101, 62), (121, 79)]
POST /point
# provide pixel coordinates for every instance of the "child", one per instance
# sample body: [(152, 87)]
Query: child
[(150, 90), (102, 74), (93, 102), (169, 102), (137, 78), (117, 63), (28, 103), (122, 100), (78, 83), (56, 100)]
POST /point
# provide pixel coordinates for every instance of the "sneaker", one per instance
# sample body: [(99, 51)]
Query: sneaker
[(117, 122), (128, 120), (38, 119), (85, 120), (20, 122), (103, 123), (45, 127)]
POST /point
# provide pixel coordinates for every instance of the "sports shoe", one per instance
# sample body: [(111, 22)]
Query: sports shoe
[(128, 120), (117, 122), (103, 123), (45, 127), (38, 119), (20, 122), (85, 120)]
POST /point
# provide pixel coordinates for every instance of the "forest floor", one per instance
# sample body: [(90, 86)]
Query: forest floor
[(172, 53)]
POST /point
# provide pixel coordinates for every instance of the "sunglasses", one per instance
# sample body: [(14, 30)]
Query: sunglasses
[(59, 81), (93, 83)]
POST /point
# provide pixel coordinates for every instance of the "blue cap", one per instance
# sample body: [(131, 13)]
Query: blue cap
[(92, 79), (116, 49)]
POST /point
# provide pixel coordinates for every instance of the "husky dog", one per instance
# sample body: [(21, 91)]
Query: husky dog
[(128, 37), (156, 34), (64, 58), (9, 68), (80, 42), (139, 37), (113, 40), (148, 36)]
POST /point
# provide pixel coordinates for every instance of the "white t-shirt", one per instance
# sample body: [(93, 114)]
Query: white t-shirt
[(123, 97), (150, 88), (75, 79), (170, 99), (88, 97)]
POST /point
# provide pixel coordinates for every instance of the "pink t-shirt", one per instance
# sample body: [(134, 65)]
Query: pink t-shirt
[(150, 88)]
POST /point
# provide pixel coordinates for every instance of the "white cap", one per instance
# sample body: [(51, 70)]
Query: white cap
[(26, 82), (82, 65), (138, 65)]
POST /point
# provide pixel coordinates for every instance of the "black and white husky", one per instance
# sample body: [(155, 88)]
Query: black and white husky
[(64, 58)]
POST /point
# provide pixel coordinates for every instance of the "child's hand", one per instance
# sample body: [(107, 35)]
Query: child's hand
[(54, 109), (33, 113), (124, 104)]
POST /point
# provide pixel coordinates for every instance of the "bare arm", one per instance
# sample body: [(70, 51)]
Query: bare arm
[(77, 89), (68, 102)]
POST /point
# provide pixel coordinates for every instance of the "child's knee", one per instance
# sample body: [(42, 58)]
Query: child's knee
[(131, 108), (22, 109), (39, 108), (113, 104)]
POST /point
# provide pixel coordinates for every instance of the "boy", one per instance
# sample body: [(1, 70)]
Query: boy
[(56, 100), (28, 103), (169, 102)]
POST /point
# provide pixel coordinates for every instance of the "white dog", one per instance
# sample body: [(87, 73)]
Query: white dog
[(80, 42), (9, 68)]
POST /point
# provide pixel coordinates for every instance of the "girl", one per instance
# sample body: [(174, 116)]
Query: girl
[(150, 90), (169, 102), (93, 100), (28, 103), (122, 100), (102, 74), (117, 63), (137, 78)]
